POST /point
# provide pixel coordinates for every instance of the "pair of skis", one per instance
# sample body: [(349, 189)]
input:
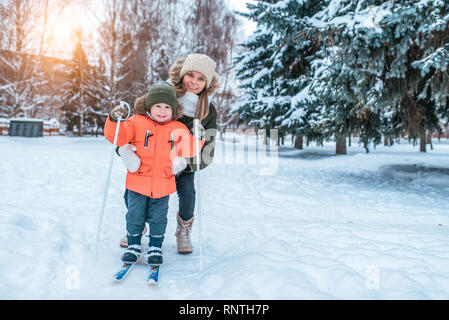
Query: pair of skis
[(153, 276)]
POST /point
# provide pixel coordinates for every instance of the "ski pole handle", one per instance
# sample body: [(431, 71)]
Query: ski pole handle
[(122, 110)]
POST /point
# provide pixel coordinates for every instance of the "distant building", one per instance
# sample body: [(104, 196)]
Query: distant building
[(26, 127)]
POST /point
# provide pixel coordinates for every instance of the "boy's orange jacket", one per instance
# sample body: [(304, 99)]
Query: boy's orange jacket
[(157, 144)]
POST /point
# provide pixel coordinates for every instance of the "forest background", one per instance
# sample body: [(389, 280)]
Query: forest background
[(317, 70)]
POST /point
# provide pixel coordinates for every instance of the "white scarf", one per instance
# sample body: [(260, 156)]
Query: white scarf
[(189, 102)]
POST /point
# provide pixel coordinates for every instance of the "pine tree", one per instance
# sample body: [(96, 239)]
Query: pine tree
[(96, 98), (394, 54), (76, 103), (346, 80), (296, 43), (256, 106), (276, 69), (416, 36), (332, 68), (125, 82), (112, 30)]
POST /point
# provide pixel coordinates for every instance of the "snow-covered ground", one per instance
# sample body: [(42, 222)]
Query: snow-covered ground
[(298, 225)]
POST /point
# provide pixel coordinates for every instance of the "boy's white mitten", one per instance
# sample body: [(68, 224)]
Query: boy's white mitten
[(118, 112), (178, 164), (129, 157)]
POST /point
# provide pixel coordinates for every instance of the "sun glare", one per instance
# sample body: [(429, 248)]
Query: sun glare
[(61, 37), (63, 32)]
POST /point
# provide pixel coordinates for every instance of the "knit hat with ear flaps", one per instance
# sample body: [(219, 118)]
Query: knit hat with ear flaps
[(162, 92), (200, 63)]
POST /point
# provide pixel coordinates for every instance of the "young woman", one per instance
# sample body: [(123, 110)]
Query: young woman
[(194, 79)]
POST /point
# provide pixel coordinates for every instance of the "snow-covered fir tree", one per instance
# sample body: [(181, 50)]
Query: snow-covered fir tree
[(127, 82), (296, 43), (253, 70), (97, 98), (416, 36), (339, 67), (116, 47), (345, 80), (378, 54), (76, 91)]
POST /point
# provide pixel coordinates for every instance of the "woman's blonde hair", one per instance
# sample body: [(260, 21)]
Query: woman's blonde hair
[(202, 109)]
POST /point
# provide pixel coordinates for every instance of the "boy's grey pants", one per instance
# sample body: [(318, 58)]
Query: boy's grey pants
[(143, 209)]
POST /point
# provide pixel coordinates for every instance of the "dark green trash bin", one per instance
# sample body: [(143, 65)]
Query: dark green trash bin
[(26, 128)]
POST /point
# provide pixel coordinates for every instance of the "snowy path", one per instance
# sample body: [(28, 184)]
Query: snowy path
[(362, 226)]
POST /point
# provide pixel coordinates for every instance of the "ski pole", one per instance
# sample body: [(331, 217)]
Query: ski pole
[(196, 123), (108, 177)]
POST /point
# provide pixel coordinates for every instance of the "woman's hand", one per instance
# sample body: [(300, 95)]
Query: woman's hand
[(201, 131)]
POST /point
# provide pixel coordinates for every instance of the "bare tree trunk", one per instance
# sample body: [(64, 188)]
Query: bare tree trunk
[(299, 141), (44, 31), (422, 142), (80, 126), (55, 10), (429, 139), (340, 145), (386, 140)]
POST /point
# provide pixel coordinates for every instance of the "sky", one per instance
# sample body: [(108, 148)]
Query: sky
[(61, 29), (239, 5)]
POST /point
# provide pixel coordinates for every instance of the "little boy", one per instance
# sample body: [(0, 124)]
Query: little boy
[(158, 139)]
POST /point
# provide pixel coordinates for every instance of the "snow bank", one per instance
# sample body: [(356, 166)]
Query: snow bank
[(418, 175), (361, 226)]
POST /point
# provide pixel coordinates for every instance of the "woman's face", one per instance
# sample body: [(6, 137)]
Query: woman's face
[(161, 112), (194, 82)]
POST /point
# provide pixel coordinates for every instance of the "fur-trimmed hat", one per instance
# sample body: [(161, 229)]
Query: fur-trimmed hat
[(159, 92), (162, 92), (200, 63)]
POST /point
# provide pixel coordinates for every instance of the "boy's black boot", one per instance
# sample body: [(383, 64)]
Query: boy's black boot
[(154, 256), (133, 251)]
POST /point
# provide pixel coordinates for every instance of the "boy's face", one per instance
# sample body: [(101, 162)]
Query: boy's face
[(194, 82), (161, 112)]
